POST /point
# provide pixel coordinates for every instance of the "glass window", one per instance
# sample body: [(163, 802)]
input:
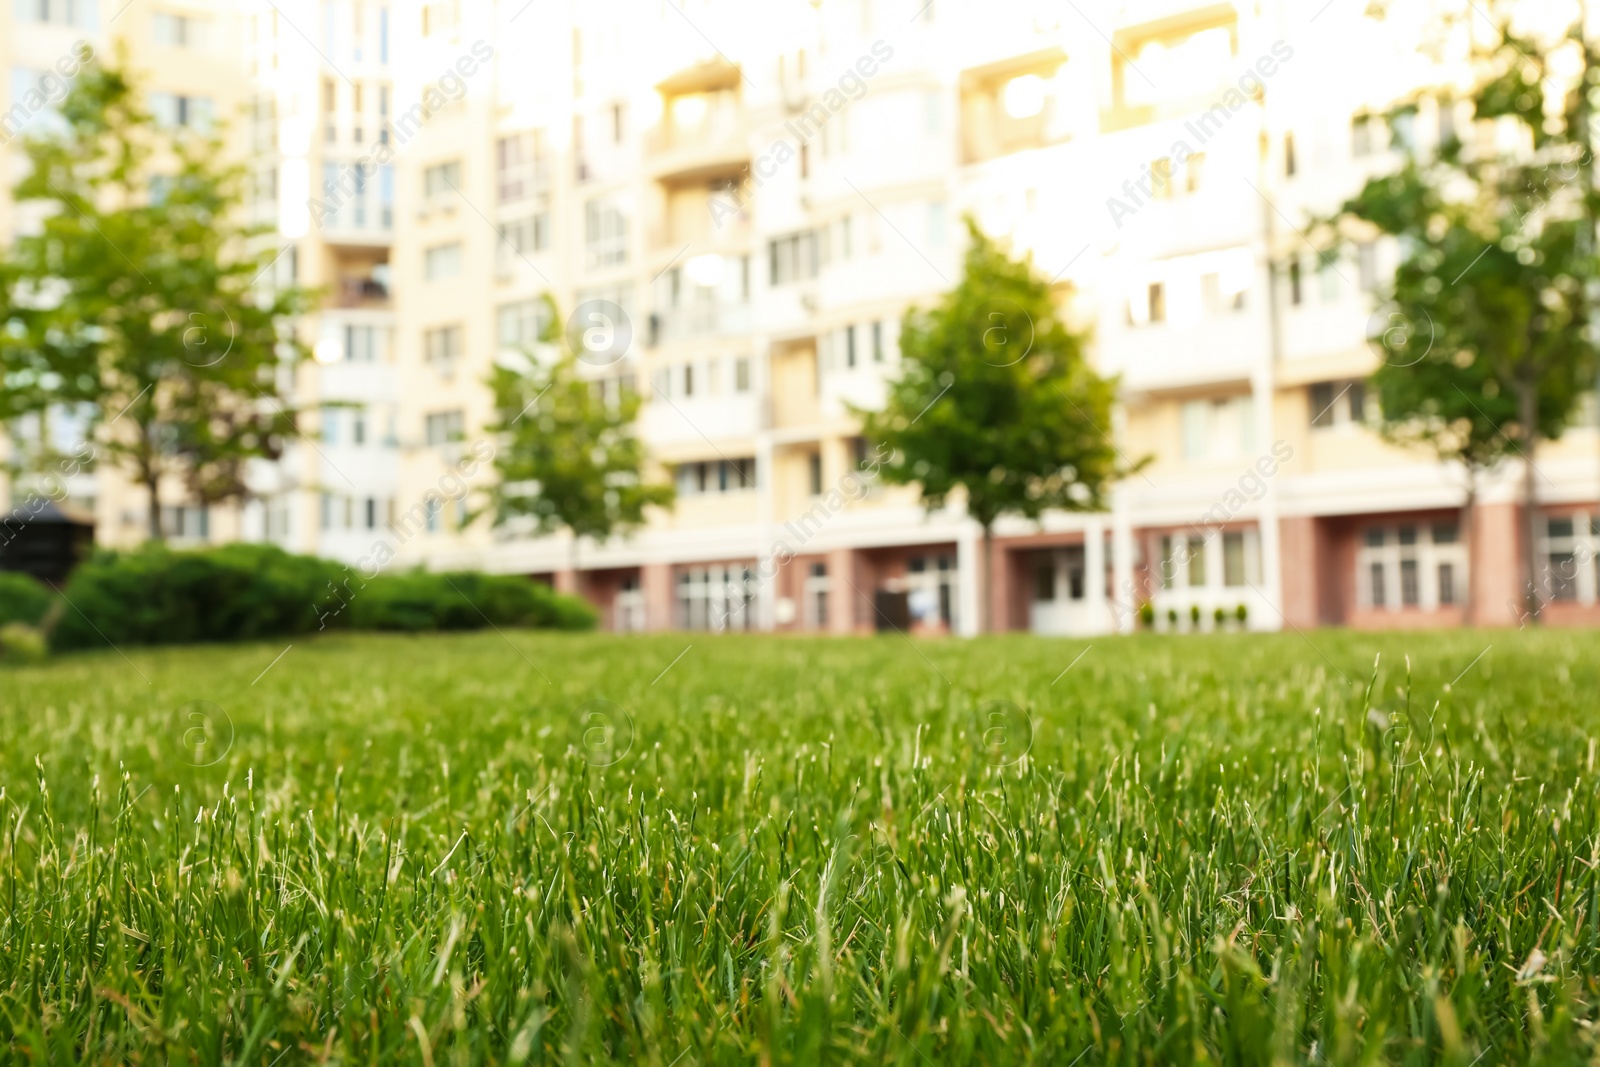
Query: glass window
[(1375, 572), (1044, 581), (1447, 583), (1410, 593), (1197, 563), (1233, 574)]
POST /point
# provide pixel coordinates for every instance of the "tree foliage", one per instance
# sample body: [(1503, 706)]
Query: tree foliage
[(1487, 333), (995, 399), (569, 457), (137, 300)]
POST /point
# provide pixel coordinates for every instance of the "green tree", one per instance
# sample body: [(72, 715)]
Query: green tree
[(568, 456), (996, 401), (137, 298), (1486, 332)]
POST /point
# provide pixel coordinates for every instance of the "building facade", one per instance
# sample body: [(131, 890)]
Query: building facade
[(733, 206)]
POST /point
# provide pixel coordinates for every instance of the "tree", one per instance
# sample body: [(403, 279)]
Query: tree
[(569, 458), (995, 400), (1487, 332), (136, 299)]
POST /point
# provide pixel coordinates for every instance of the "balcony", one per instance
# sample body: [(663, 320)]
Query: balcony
[(702, 137), (1013, 106)]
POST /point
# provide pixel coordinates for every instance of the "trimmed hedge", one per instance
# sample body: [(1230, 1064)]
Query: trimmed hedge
[(240, 592), (23, 599)]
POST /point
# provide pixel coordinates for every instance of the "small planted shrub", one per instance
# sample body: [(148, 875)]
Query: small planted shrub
[(241, 592), (1147, 615), (1194, 616), (1172, 618), (21, 643), (23, 599), (1241, 613), (1219, 616)]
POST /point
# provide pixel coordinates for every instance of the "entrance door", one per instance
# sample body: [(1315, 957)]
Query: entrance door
[(1059, 585)]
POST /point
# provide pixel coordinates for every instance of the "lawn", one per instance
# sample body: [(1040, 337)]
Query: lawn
[(522, 847)]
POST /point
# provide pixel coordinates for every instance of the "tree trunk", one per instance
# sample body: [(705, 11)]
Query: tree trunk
[(1528, 413), (986, 582), (1469, 541), (153, 485)]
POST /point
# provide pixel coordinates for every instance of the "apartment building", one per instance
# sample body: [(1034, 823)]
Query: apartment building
[(741, 204)]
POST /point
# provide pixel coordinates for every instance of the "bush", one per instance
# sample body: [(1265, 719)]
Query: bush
[(244, 591), (21, 643), (23, 599), (1241, 613), (1147, 615), (1194, 615), (463, 601), (1172, 618), (1219, 616)]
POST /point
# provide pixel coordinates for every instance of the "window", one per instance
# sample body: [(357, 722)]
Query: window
[(716, 476), (814, 473), (1571, 553), (1366, 135), (931, 589), (1197, 563), (1044, 580), (1196, 429), (441, 179), (1233, 559), (440, 15), (1410, 565), (1367, 266), (936, 226), (444, 427), (1337, 404), (605, 233), (521, 237), (1288, 155), (358, 426), (617, 124), (1161, 179), (741, 374), (443, 345), (1158, 302), (519, 165), (793, 258), (817, 595), (523, 324), (850, 346), (717, 597), (1294, 281), (178, 31), (176, 111), (330, 426), (877, 342), (442, 261), (82, 13), (361, 344)]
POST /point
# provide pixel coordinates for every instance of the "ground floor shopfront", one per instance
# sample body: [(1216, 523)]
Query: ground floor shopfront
[(1375, 570)]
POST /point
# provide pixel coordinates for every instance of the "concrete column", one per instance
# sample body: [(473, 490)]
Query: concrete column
[(655, 579), (1125, 600), (969, 543), (1267, 514), (1094, 574), (1301, 568), (1495, 581), (844, 602)]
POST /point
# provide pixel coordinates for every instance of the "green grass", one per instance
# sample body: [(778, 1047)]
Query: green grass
[(1204, 850)]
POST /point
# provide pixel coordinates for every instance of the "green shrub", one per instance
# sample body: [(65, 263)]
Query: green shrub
[(1219, 616), (1194, 615), (1147, 615), (243, 591), (1241, 613), (421, 600), (21, 643), (23, 599), (1172, 618)]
